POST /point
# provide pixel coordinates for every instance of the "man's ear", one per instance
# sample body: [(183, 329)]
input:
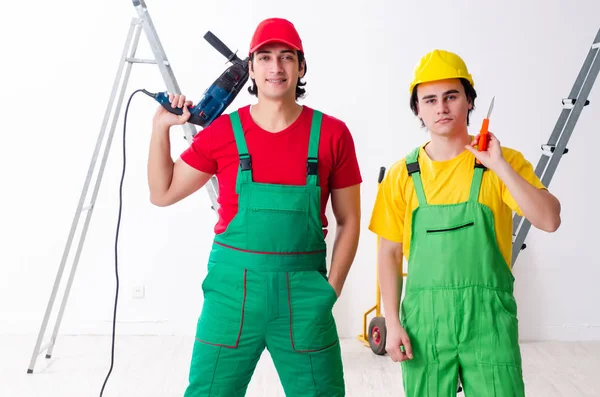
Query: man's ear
[(302, 68), (251, 70)]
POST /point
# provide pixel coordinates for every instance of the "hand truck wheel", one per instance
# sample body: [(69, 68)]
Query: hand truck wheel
[(377, 335)]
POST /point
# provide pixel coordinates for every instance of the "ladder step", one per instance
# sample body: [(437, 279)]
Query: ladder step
[(140, 60), (147, 61), (552, 148), (569, 103), (87, 207), (523, 246), (596, 45)]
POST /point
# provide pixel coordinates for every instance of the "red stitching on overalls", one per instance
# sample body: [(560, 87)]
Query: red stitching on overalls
[(270, 253), (237, 342), (289, 290)]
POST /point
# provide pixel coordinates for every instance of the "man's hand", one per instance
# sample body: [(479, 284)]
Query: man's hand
[(395, 339), (492, 157), (168, 181), (337, 289), (164, 119), (538, 206), (345, 204)]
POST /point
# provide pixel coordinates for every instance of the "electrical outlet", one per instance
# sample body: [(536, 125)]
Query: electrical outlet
[(138, 292)]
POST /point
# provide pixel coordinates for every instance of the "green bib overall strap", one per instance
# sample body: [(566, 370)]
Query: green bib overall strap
[(245, 170), (476, 184), (313, 149), (412, 166)]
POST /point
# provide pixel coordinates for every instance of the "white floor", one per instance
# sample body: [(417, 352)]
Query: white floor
[(151, 366)]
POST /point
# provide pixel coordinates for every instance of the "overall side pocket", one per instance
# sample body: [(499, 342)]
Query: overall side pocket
[(311, 299), (498, 329), (222, 317), (417, 321)]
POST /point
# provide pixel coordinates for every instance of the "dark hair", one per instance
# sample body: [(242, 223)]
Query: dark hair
[(470, 93), (253, 90)]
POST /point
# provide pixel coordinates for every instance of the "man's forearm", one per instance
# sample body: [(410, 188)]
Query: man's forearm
[(344, 251), (390, 284), (160, 163), (538, 206)]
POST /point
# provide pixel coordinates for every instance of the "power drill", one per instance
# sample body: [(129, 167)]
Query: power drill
[(220, 94)]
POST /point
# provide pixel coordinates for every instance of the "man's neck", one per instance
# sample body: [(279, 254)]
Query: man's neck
[(442, 148), (275, 116)]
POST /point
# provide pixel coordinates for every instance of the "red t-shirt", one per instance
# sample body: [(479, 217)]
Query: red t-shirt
[(278, 158)]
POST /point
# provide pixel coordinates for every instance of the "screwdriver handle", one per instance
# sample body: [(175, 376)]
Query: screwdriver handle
[(482, 144), (483, 136)]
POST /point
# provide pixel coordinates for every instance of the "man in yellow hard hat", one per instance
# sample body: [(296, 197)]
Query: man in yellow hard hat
[(447, 207)]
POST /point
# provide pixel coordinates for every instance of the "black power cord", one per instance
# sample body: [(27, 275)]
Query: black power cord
[(114, 323)]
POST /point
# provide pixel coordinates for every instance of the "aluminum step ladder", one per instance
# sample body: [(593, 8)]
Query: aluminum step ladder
[(128, 58), (556, 146)]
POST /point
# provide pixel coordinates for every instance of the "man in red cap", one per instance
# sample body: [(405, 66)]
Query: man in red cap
[(277, 163)]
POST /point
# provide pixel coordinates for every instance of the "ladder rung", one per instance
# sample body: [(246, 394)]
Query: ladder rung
[(87, 207), (552, 148), (139, 60), (568, 103), (596, 45), (523, 246)]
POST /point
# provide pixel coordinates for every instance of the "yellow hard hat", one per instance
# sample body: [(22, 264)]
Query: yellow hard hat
[(440, 65)]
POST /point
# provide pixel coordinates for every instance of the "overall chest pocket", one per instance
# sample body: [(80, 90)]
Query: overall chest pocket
[(450, 228), (277, 220)]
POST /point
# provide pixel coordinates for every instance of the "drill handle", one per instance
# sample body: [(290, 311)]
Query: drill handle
[(163, 99), (221, 47), (381, 174)]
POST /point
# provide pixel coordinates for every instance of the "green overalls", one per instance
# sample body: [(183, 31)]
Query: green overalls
[(267, 287), (459, 310)]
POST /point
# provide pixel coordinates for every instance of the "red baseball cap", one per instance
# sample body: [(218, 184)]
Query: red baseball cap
[(275, 30)]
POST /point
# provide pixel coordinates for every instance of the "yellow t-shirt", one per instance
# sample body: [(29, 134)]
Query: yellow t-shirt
[(447, 182)]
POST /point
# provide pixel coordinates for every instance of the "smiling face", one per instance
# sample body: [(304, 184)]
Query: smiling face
[(275, 69), (443, 106)]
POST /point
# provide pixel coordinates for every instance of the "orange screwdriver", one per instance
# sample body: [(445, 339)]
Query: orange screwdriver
[(483, 133)]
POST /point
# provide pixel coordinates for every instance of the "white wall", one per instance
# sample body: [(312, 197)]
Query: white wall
[(58, 72)]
